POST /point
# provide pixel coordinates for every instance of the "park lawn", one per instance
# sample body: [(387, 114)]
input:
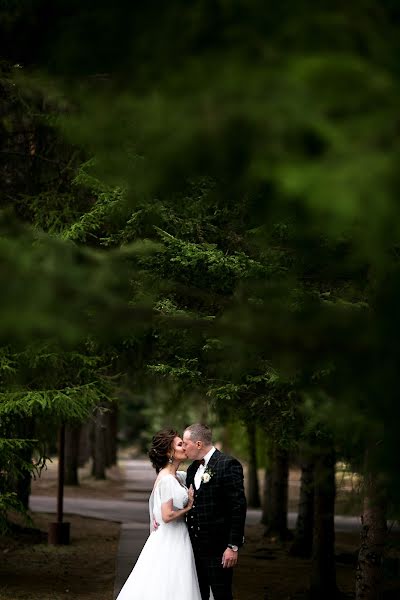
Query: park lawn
[(111, 488), (32, 570), (267, 572)]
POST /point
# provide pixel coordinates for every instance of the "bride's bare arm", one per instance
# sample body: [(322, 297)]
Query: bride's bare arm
[(169, 514)]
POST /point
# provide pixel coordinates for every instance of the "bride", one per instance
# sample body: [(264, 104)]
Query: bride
[(165, 568)]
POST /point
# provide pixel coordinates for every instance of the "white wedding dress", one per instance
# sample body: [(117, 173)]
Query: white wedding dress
[(165, 569)]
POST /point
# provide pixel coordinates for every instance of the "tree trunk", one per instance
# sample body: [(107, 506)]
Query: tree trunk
[(22, 482), (278, 495), (85, 443), (303, 537), (99, 445), (110, 435), (113, 435), (72, 437), (253, 494), (266, 496), (369, 575), (266, 503), (226, 439), (323, 569)]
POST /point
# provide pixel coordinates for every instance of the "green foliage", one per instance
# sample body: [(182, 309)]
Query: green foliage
[(215, 271), (187, 371), (9, 502), (13, 464), (11, 461), (108, 201), (259, 148), (65, 404), (31, 411)]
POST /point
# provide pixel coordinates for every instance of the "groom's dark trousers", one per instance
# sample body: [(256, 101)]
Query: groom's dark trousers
[(216, 519), (211, 573)]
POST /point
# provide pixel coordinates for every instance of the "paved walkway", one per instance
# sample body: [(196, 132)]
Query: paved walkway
[(132, 513), (139, 480)]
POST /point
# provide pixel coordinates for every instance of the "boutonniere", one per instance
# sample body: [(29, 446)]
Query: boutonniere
[(205, 478)]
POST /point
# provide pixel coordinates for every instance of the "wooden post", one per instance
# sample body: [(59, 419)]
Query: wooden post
[(61, 474), (59, 532)]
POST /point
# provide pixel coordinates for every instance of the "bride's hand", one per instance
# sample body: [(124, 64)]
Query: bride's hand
[(190, 497)]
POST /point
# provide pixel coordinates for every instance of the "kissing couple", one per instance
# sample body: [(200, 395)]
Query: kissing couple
[(196, 521)]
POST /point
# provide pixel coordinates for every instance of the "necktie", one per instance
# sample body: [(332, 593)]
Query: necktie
[(202, 461)]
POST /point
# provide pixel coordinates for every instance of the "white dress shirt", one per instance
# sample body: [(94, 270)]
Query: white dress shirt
[(202, 468)]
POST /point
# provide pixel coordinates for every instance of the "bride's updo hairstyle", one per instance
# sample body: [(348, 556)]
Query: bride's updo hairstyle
[(161, 444)]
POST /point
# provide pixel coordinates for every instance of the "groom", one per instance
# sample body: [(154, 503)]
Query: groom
[(216, 521)]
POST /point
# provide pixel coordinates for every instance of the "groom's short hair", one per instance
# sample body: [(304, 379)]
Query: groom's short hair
[(200, 432)]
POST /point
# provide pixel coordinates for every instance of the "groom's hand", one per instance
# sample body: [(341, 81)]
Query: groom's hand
[(229, 558)]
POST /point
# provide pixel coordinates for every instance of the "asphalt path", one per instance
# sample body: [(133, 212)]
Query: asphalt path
[(129, 511), (120, 511)]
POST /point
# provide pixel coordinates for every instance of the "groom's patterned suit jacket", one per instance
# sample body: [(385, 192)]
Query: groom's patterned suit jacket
[(218, 514)]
